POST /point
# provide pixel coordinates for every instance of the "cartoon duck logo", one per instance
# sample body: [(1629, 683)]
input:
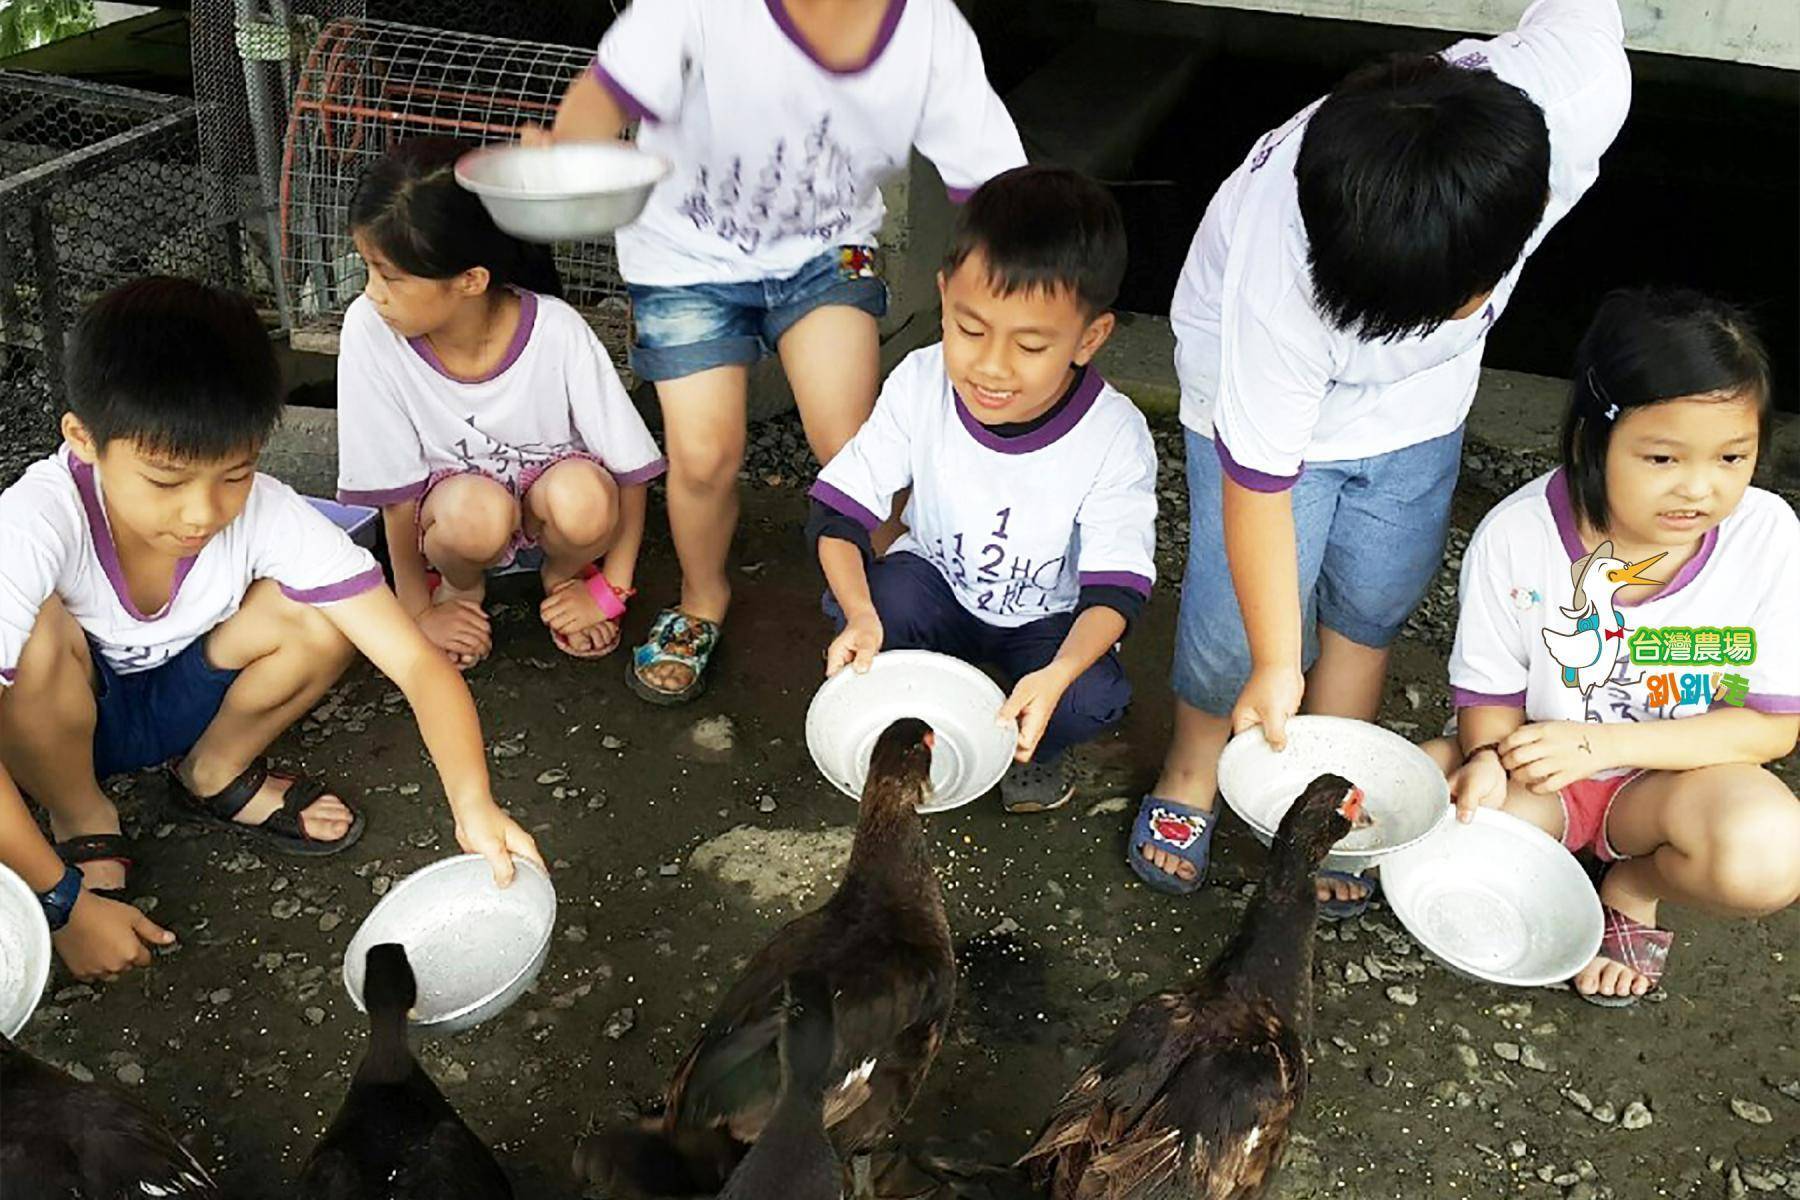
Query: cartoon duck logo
[(1588, 655)]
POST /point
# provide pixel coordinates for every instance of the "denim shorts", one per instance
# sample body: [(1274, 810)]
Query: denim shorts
[(684, 330), (148, 717), (1370, 534)]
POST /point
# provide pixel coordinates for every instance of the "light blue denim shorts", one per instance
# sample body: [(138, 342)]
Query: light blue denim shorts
[(1370, 533), (684, 330)]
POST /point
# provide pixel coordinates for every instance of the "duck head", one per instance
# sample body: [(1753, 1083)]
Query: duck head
[(388, 982), (1600, 575), (900, 764), (1329, 808)]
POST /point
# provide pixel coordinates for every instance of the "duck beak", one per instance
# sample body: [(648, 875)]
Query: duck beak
[(930, 740), (1352, 809), (1634, 572)]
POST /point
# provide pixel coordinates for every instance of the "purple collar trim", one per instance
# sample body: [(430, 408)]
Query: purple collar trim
[(109, 553), (885, 34), (1086, 392), (1562, 507), (528, 306)]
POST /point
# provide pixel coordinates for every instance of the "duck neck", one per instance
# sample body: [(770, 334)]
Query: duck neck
[(1274, 946), (388, 1059), (890, 838)]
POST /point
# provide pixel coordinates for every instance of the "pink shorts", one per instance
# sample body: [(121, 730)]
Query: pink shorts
[(1586, 805), (527, 478)]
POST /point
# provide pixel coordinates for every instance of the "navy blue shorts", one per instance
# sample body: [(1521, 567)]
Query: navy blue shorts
[(685, 330), (148, 717)]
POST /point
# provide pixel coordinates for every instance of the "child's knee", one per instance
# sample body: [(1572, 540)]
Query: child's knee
[(475, 523), (299, 628), (55, 646), (578, 504), (706, 464), (1756, 855)]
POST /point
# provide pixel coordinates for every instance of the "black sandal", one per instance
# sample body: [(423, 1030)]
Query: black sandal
[(98, 847), (283, 831)]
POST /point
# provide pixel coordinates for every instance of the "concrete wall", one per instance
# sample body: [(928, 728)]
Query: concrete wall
[(1763, 32)]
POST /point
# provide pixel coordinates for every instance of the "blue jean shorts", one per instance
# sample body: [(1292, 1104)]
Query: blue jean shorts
[(1370, 534), (685, 330), (148, 717)]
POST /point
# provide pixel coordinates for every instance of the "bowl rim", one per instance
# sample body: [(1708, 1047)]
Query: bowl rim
[(1505, 823), (1254, 735), (444, 864), (483, 188), (838, 682), (38, 935)]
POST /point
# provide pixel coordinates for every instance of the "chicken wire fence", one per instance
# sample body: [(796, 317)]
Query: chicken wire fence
[(98, 185), (300, 100)]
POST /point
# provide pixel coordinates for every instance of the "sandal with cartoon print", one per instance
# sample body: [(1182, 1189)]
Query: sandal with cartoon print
[(679, 639)]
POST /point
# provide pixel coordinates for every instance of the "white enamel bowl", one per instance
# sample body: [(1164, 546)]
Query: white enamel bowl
[(1498, 899), (971, 750), (564, 192), (1405, 794), (474, 948), (24, 952)]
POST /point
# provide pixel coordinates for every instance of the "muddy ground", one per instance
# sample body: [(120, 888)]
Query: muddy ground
[(673, 861)]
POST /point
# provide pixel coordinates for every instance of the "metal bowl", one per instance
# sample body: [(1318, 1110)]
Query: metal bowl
[(1406, 796), (1498, 899), (564, 192), (970, 752), (24, 952), (474, 948)]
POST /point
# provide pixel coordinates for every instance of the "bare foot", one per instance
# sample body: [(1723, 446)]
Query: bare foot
[(456, 623), (575, 621), (325, 820)]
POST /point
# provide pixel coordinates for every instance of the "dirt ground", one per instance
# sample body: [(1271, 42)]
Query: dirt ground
[(672, 860)]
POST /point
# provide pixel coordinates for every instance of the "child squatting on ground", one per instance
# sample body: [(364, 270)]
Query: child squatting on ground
[(482, 415), (1031, 529), (1328, 347), (1628, 648), (780, 121), (162, 603)]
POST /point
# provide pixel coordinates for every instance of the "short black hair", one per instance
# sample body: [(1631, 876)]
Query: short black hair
[(1044, 228), (1420, 182), (178, 367), (410, 205), (1649, 346)]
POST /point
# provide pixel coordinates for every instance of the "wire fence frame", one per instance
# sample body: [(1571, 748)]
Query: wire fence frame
[(366, 85)]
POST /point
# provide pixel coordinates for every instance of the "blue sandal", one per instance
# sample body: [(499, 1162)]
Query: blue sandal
[(675, 637), (1175, 829), (1343, 910)]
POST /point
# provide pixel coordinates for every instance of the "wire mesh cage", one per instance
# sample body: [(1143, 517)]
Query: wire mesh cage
[(367, 85), (98, 185)]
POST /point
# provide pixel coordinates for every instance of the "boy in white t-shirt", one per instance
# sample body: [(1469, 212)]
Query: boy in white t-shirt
[(161, 603), (780, 119), (1031, 528), (1329, 324), (1628, 649)]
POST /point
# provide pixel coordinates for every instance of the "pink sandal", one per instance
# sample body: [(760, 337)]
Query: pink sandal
[(611, 602), (1643, 948)]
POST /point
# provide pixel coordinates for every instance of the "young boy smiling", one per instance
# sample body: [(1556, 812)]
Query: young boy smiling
[(1030, 540)]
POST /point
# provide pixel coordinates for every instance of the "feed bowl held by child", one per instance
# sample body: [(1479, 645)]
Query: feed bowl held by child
[(563, 192), (1405, 794), (971, 748), (24, 952), (474, 947), (1498, 899)]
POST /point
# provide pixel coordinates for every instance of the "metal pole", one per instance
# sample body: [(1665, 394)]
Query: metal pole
[(268, 160)]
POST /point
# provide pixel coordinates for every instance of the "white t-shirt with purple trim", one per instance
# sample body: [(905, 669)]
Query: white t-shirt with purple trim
[(777, 157), (1017, 526), (1265, 374), (1517, 580), (402, 418), (58, 543)]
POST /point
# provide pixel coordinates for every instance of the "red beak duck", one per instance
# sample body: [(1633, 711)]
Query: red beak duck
[(396, 1137), (62, 1139), (881, 944), (1194, 1095)]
